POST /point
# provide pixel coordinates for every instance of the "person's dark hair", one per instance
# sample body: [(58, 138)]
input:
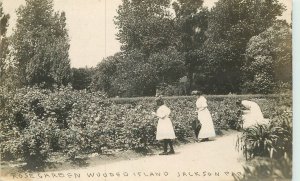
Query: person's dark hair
[(199, 93), (159, 101), (238, 102)]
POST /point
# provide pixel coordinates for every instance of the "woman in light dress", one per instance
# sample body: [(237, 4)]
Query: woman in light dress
[(252, 113), (165, 131), (207, 129)]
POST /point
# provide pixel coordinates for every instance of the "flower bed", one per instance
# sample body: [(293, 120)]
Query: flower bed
[(36, 123)]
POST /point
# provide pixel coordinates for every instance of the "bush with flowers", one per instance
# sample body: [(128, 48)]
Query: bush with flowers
[(38, 122)]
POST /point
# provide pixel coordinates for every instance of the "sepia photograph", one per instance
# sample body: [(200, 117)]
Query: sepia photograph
[(160, 90)]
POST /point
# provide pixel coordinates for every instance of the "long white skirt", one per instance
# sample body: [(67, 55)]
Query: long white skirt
[(165, 129), (207, 128), (252, 117)]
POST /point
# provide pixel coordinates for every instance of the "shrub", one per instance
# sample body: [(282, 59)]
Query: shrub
[(34, 147), (226, 114), (258, 140), (39, 120), (79, 122), (24, 119), (267, 169)]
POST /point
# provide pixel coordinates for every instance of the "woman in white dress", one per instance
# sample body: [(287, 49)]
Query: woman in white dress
[(207, 129), (252, 113), (165, 131)]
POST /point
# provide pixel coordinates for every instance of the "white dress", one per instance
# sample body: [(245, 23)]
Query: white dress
[(165, 128), (252, 115), (207, 128)]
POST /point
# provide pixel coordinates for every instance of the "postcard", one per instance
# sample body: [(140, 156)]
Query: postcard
[(146, 90)]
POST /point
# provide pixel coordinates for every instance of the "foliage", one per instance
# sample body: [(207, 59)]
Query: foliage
[(103, 75), (133, 74), (145, 26), (231, 24), (125, 75), (269, 59), (269, 146), (36, 119), (20, 120), (40, 44), (174, 89), (209, 46), (4, 18), (168, 64), (81, 78), (259, 140), (191, 21), (148, 28), (229, 117), (266, 169), (270, 140), (42, 122)]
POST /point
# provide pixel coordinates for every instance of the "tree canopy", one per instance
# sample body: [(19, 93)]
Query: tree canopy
[(40, 44), (231, 25), (238, 46), (144, 25), (268, 62), (163, 41), (3, 42)]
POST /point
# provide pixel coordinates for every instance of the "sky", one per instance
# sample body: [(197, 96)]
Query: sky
[(91, 28)]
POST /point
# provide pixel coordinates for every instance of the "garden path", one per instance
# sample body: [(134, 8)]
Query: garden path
[(190, 162)]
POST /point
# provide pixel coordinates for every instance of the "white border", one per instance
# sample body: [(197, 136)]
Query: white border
[(296, 89)]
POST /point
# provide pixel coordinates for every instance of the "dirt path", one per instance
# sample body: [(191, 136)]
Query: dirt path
[(213, 160)]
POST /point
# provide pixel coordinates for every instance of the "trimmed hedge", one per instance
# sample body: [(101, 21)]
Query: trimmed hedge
[(122, 100)]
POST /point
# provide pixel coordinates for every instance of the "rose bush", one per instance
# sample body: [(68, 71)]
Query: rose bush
[(37, 122)]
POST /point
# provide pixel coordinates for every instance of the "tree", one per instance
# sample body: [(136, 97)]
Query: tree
[(191, 21), (135, 76), (146, 26), (169, 65), (131, 73), (269, 59), (126, 74), (41, 43), (81, 78), (149, 39), (3, 42), (231, 25), (104, 74)]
